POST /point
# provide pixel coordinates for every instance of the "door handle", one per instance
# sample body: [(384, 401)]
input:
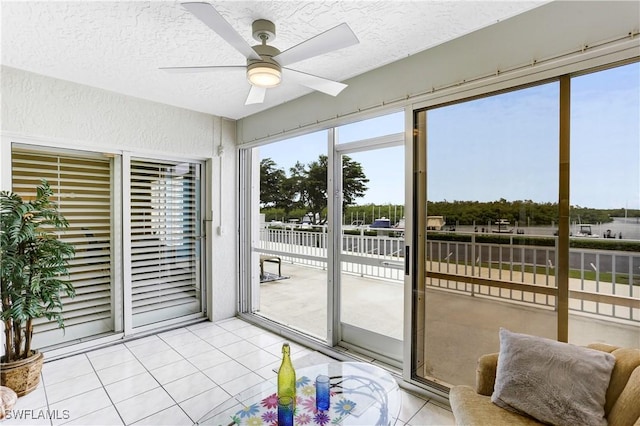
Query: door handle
[(407, 254)]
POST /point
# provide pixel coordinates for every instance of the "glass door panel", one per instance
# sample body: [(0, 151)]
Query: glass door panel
[(491, 194), (371, 256), (604, 258), (289, 238)]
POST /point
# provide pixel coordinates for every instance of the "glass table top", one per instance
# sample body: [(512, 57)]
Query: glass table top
[(361, 394)]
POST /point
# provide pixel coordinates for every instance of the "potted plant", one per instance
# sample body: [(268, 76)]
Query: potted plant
[(33, 264)]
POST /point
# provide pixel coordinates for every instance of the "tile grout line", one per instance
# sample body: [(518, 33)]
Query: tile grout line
[(46, 397), (103, 388), (160, 385), (113, 404), (195, 422)]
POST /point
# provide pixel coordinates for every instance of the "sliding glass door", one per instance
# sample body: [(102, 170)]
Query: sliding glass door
[(319, 260), (526, 218), (490, 218)]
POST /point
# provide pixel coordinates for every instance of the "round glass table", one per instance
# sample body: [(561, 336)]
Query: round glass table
[(360, 394)]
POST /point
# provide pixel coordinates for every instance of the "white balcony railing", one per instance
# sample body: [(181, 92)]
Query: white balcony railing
[(602, 282)]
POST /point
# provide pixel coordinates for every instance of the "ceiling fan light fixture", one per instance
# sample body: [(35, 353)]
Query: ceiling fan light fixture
[(264, 75)]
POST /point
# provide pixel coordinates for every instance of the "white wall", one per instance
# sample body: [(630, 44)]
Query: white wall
[(36, 105), (224, 223), (66, 114), (502, 55)]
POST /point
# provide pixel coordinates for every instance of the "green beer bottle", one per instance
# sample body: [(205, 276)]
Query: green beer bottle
[(286, 375)]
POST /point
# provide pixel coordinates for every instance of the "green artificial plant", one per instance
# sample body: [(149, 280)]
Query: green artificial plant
[(33, 264)]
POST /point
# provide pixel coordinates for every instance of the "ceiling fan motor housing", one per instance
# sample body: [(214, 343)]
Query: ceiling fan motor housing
[(266, 66)]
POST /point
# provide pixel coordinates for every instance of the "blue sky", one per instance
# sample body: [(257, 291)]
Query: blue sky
[(506, 146)]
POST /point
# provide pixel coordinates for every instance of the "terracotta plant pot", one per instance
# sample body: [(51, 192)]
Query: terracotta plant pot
[(23, 376)]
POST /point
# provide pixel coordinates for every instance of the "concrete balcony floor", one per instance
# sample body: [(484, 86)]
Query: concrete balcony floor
[(300, 301)]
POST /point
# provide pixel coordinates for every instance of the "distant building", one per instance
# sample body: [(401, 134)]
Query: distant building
[(435, 223)]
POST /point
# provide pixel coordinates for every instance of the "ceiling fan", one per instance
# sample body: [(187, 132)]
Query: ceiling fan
[(266, 65)]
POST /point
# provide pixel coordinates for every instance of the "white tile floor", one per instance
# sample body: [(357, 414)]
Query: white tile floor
[(171, 378)]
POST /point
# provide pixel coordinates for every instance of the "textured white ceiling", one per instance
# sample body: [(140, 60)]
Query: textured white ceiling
[(119, 45)]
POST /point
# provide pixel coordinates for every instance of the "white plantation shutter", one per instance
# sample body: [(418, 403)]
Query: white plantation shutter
[(165, 245), (82, 190), (165, 225)]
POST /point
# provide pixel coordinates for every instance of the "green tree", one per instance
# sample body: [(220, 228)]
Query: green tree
[(272, 185), (315, 187), (306, 186), (295, 186), (353, 184)]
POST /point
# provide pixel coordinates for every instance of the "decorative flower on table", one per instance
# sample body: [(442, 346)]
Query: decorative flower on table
[(302, 381), (249, 411), (321, 418), (270, 417), (344, 406), (254, 421), (309, 404), (271, 401), (308, 390), (302, 419)]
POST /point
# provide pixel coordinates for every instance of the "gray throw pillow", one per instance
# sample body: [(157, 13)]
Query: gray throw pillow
[(551, 381)]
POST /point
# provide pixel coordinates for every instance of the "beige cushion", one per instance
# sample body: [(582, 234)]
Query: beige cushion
[(555, 382)]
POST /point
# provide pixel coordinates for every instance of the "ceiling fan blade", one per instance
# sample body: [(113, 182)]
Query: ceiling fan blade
[(314, 82), (210, 16), (256, 95), (203, 68), (328, 41)]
